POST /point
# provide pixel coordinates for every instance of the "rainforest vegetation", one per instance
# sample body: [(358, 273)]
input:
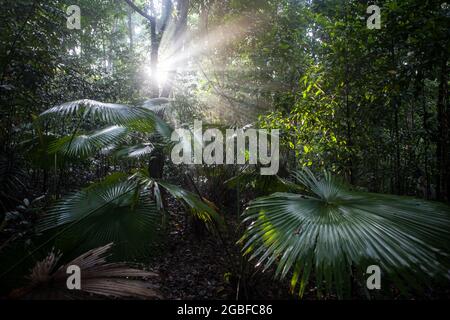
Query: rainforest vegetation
[(92, 93)]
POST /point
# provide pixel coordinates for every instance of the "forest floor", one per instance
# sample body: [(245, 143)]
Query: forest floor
[(202, 266)]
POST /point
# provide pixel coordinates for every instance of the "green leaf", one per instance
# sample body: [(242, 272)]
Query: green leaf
[(201, 208), (331, 229), (94, 110), (135, 151), (119, 212), (156, 105), (85, 145), (136, 118)]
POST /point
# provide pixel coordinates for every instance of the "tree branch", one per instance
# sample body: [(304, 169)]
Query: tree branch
[(140, 11), (167, 9)]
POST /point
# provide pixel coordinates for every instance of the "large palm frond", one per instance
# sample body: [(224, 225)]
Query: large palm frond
[(200, 207), (97, 277), (135, 151), (332, 230), (119, 212), (137, 118), (84, 145), (157, 105), (97, 111)]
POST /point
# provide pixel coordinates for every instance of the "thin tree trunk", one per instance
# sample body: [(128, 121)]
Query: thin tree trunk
[(154, 53), (395, 105), (350, 161), (130, 28), (178, 40), (398, 188), (443, 149)]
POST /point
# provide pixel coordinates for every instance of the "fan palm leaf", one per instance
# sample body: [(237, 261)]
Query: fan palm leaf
[(156, 105), (200, 207), (85, 145), (332, 229), (136, 118), (97, 277), (135, 151), (98, 111), (119, 212)]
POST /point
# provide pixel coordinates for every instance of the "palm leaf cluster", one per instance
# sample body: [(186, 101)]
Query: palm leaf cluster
[(120, 122), (197, 205), (97, 111), (332, 234), (126, 210)]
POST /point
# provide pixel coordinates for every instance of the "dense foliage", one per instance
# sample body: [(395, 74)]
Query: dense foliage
[(85, 135)]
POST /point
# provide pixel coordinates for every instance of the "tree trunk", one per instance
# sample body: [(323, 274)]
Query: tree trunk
[(154, 53), (130, 28), (443, 148), (178, 41), (350, 164)]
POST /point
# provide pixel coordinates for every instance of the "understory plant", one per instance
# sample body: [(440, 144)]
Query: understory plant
[(126, 208), (329, 233)]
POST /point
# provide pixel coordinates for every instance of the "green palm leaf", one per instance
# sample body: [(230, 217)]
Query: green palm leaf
[(135, 118), (156, 105), (135, 151), (201, 208), (98, 111), (331, 230), (85, 145), (160, 126), (119, 212)]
